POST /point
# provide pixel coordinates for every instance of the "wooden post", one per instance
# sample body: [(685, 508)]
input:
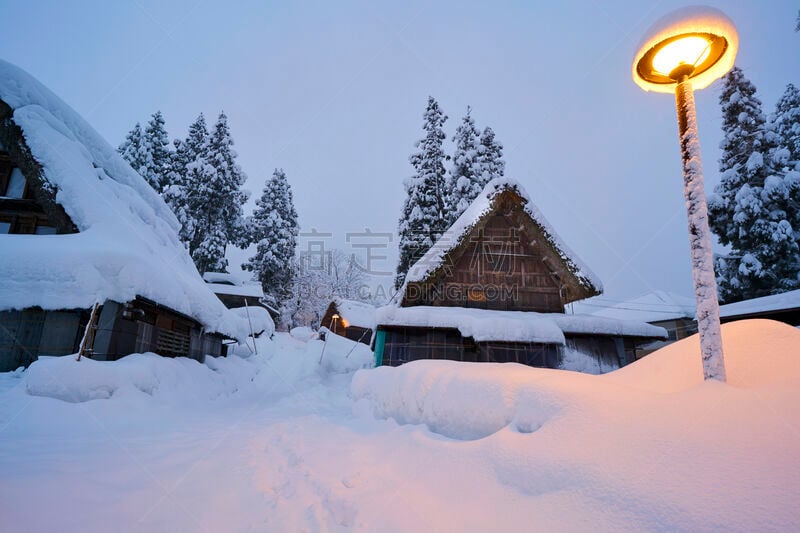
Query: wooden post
[(87, 343), (247, 311)]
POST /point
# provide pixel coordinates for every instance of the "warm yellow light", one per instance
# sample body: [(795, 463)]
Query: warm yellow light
[(695, 43), (690, 50), (335, 317)]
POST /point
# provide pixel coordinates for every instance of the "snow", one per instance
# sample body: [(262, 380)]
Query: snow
[(775, 302), (258, 317), (278, 442), (480, 207), (512, 326), (302, 333), (128, 244), (252, 290), (359, 314), (653, 306)]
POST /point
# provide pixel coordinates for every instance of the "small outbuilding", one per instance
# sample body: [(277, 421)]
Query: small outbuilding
[(234, 292), (351, 319), (494, 288), (79, 227), (673, 312), (783, 307)]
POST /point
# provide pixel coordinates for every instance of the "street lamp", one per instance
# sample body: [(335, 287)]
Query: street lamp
[(690, 48)]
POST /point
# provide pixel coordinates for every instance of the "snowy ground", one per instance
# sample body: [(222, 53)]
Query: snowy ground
[(278, 442)]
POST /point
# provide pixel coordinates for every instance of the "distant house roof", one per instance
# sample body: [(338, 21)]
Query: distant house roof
[(224, 283), (359, 314), (485, 325), (786, 301), (651, 307), (127, 243), (434, 260)]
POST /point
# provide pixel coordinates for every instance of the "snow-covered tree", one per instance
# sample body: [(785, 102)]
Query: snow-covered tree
[(134, 150), (423, 218), (147, 151), (787, 124), (492, 164), (465, 176), (274, 229), (214, 198), (188, 165), (750, 208), (319, 280), (157, 143)]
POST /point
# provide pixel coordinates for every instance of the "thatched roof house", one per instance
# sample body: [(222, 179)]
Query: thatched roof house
[(494, 288), (351, 319), (80, 226)]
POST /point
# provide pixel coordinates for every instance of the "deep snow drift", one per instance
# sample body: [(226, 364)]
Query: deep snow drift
[(278, 441)]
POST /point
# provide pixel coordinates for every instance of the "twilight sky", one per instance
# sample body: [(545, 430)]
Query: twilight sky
[(333, 92)]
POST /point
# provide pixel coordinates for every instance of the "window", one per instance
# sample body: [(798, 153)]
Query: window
[(16, 184), (5, 227), (44, 230)]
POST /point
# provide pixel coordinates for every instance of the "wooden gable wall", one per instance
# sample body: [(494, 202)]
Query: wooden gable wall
[(505, 263)]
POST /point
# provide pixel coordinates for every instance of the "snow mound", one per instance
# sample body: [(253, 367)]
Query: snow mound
[(302, 333), (181, 378), (464, 400), (474, 400), (757, 353), (343, 355), (259, 318), (280, 366)]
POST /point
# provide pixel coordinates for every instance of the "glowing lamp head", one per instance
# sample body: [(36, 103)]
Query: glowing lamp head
[(685, 54), (335, 317), (696, 43)]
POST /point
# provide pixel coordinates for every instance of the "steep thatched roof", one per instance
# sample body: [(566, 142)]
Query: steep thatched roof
[(435, 262), (118, 239)]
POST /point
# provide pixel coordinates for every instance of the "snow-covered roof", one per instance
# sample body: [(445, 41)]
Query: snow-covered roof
[(775, 302), (221, 277), (250, 290), (651, 307), (224, 283), (482, 206), (359, 314), (127, 244), (512, 326)]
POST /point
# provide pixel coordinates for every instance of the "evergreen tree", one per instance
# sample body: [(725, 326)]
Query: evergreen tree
[(465, 180), (749, 210), (134, 150), (274, 229), (214, 180), (148, 152), (423, 218), (188, 165), (157, 144), (787, 124), (492, 164)]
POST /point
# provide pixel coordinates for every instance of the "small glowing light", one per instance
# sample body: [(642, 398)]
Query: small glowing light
[(691, 50), (335, 317)]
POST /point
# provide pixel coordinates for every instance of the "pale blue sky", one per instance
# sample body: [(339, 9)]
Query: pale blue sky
[(333, 92)]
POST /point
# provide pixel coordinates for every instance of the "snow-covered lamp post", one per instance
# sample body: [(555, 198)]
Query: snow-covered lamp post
[(685, 50)]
